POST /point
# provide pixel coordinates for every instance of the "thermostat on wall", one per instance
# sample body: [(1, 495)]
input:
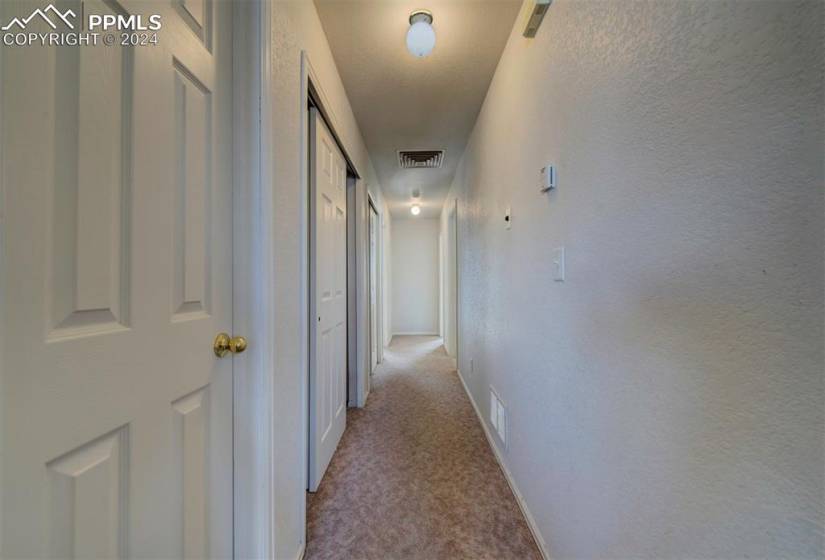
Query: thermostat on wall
[(548, 178)]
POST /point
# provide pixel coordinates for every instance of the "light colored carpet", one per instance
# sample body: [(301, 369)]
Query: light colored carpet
[(414, 476)]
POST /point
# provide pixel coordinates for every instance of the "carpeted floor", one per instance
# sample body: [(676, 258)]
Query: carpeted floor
[(414, 476)]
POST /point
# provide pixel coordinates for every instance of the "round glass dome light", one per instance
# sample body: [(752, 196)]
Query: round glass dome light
[(415, 210), (420, 35)]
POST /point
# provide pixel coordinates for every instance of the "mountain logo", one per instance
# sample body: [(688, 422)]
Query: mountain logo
[(46, 15)]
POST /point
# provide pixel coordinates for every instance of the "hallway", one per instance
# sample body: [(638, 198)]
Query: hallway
[(412, 280), (414, 476)]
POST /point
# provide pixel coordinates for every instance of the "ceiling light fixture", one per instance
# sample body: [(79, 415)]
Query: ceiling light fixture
[(420, 35), (415, 210)]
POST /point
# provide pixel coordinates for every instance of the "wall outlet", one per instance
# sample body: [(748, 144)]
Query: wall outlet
[(508, 218)]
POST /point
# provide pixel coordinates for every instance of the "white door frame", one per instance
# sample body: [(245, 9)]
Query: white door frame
[(379, 279), (442, 301), (380, 287), (352, 296), (449, 271), (456, 314), (253, 249), (378, 334), (2, 286)]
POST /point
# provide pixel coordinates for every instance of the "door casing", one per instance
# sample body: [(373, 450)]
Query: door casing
[(253, 250)]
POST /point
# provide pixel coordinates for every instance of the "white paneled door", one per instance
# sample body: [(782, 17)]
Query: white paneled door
[(328, 298), (117, 265)]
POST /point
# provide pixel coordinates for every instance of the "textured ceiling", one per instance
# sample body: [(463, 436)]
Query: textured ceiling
[(402, 102)]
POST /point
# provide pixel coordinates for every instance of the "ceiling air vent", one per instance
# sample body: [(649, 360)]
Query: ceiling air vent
[(420, 159)]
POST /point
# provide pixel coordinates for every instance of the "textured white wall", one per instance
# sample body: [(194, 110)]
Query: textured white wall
[(415, 276), (667, 399), (295, 27)]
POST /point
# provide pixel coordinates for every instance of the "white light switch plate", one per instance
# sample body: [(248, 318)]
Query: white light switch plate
[(549, 179), (508, 218), (558, 264)]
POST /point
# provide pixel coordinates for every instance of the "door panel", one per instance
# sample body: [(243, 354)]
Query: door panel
[(328, 301), (117, 417), (193, 136), (87, 499)]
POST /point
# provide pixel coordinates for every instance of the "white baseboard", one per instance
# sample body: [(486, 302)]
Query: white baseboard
[(301, 550), (507, 475), (415, 334)]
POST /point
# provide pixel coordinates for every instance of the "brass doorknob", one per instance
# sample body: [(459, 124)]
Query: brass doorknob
[(224, 344)]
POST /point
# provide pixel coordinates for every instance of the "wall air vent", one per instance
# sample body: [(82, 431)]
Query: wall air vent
[(420, 159), (539, 9)]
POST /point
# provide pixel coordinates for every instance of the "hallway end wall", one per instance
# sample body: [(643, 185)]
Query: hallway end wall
[(415, 289), (665, 399)]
